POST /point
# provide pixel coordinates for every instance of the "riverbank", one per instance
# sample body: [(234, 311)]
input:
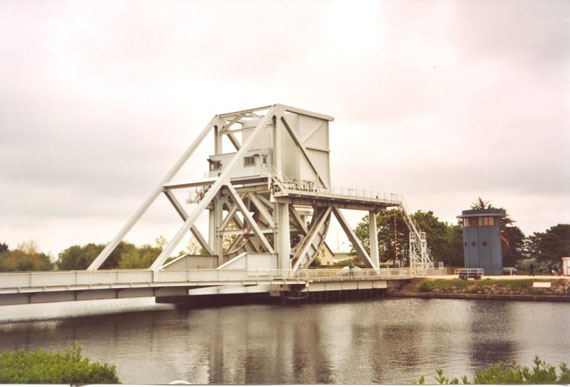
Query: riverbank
[(488, 288)]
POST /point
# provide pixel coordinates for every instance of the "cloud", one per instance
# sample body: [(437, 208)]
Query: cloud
[(434, 99)]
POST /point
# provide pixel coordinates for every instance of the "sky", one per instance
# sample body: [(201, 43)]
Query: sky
[(441, 101)]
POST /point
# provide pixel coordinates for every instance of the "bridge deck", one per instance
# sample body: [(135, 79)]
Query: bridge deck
[(38, 287)]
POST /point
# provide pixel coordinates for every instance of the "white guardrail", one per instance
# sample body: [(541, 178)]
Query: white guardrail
[(323, 274), (343, 192), (11, 282)]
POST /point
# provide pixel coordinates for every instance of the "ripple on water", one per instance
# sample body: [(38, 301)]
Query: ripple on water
[(381, 341)]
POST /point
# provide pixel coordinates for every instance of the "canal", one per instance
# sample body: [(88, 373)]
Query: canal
[(375, 341)]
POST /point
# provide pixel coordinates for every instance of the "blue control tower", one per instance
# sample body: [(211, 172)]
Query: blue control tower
[(482, 240)]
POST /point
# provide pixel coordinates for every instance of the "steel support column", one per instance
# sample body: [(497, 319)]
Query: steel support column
[(219, 241), (373, 238), (284, 242), (212, 229)]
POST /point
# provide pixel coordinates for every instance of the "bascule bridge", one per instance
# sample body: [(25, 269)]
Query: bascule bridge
[(272, 193), (269, 200)]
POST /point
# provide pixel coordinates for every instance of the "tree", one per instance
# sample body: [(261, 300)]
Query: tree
[(386, 242), (139, 258), (193, 247), (130, 259), (444, 241), (3, 255), (149, 254), (80, 257), (161, 241), (437, 234), (550, 246), (3, 247), (453, 254), (514, 248), (25, 257), (481, 204)]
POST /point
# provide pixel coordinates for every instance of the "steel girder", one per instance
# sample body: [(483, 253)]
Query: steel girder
[(267, 222)]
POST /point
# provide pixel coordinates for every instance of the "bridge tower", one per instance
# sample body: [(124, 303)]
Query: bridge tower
[(269, 198)]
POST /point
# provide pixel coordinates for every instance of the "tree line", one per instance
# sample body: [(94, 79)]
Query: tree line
[(26, 257), (445, 241)]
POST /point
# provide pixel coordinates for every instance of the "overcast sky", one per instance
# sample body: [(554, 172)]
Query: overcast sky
[(441, 101)]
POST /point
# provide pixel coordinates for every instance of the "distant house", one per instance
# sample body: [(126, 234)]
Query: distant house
[(326, 256), (341, 256)]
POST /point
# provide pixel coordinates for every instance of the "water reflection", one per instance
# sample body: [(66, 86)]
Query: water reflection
[(492, 339), (381, 341)]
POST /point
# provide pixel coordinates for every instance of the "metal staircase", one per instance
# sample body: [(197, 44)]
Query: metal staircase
[(420, 256)]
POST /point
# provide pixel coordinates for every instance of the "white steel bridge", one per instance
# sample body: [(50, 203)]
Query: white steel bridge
[(269, 203)]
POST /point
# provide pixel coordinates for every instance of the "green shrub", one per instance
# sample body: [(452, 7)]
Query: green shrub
[(513, 373), (426, 286), (67, 367)]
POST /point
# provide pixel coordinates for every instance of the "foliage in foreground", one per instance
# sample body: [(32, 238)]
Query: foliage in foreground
[(65, 367), (513, 373)]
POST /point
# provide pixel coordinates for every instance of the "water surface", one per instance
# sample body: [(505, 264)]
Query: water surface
[(379, 341)]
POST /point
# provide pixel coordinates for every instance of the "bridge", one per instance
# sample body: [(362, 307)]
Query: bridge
[(83, 285), (269, 203)]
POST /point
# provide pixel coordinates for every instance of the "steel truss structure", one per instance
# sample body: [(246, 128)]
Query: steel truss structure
[(266, 219)]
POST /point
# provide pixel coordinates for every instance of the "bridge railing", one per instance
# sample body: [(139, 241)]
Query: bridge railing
[(356, 273), (286, 185), (74, 278), (115, 277)]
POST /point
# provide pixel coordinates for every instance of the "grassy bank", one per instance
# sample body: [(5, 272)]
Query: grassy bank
[(486, 286)]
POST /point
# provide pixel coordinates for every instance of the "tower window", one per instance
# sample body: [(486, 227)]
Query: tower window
[(215, 165), (249, 161)]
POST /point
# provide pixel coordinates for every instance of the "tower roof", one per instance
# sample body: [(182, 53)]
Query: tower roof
[(486, 212)]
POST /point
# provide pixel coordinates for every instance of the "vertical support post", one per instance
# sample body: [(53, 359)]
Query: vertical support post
[(395, 239), (217, 141), (212, 227), (218, 213), (284, 241), (276, 241), (277, 148), (373, 237)]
